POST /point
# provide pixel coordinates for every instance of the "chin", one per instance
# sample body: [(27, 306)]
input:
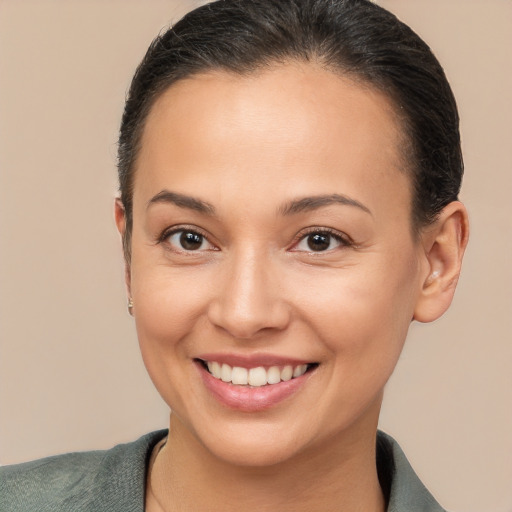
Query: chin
[(258, 452), (246, 442)]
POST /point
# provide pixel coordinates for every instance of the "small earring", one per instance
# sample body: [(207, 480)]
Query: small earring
[(130, 306)]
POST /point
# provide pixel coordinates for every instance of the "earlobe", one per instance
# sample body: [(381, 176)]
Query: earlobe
[(444, 245)]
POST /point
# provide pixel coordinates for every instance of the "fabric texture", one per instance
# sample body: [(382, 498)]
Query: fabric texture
[(114, 480)]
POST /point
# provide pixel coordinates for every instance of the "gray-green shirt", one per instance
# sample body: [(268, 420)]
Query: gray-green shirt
[(114, 480)]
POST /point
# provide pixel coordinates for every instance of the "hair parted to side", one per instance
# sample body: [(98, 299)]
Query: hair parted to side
[(355, 38)]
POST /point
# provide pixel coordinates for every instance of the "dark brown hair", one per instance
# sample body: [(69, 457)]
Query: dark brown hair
[(352, 37)]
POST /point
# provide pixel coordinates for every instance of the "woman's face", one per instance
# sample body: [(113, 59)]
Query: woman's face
[(272, 236)]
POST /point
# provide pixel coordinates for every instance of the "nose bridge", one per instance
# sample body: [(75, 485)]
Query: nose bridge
[(249, 298)]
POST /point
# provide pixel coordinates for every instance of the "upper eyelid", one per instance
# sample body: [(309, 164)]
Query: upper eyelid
[(166, 233), (343, 237), (319, 229), (163, 239)]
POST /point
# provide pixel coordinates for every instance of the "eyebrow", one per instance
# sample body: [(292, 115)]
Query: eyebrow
[(183, 201), (305, 204)]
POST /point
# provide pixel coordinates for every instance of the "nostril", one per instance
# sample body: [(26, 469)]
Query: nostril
[(249, 296), (248, 317)]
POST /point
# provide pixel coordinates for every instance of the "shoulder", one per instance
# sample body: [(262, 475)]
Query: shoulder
[(33, 485), (98, 480)]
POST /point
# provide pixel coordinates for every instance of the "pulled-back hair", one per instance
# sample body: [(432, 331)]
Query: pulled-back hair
[(355, 38)]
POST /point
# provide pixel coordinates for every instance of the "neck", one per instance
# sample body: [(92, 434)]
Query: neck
[(340, 476)]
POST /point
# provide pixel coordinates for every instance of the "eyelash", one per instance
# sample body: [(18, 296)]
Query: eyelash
[(163, 238), (342, 238)]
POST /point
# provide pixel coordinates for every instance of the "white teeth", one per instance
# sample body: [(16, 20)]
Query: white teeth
[(239, 376), (215, 369), (287, 373), (255, 377), (300, 370), (273, 375), (225, 373)]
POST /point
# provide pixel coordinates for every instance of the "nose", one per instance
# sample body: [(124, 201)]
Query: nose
[(250, 298)]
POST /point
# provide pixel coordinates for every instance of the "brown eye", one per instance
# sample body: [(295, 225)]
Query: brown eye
[(319, 241), (191, 241), (188, 240)]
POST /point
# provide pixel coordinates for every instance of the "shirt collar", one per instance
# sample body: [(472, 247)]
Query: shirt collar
[(405, 491)]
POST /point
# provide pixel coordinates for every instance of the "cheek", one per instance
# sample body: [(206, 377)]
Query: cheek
[(166, 311), (364, 310), (167, 304)]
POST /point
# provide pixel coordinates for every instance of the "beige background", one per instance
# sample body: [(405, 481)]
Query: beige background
[(70, 373)]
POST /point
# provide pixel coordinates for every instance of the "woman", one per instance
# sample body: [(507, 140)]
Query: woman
[(289, 174)]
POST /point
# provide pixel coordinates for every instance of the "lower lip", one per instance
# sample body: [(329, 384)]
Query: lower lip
[(248, 399)]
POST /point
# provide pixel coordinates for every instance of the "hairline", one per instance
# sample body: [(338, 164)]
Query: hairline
[(405, 153)]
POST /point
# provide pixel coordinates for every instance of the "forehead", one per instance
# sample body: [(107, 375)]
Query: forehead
[(289, 126)]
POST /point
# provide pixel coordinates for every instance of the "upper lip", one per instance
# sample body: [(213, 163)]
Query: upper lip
[(252, 360)]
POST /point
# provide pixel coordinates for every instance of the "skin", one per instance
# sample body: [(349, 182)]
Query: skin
[(249, 147)]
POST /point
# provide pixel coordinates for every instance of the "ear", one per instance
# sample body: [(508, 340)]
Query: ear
[(444, 244), (120, 218)]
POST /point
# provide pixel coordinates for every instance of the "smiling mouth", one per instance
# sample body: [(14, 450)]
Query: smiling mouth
[(255, 377)]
